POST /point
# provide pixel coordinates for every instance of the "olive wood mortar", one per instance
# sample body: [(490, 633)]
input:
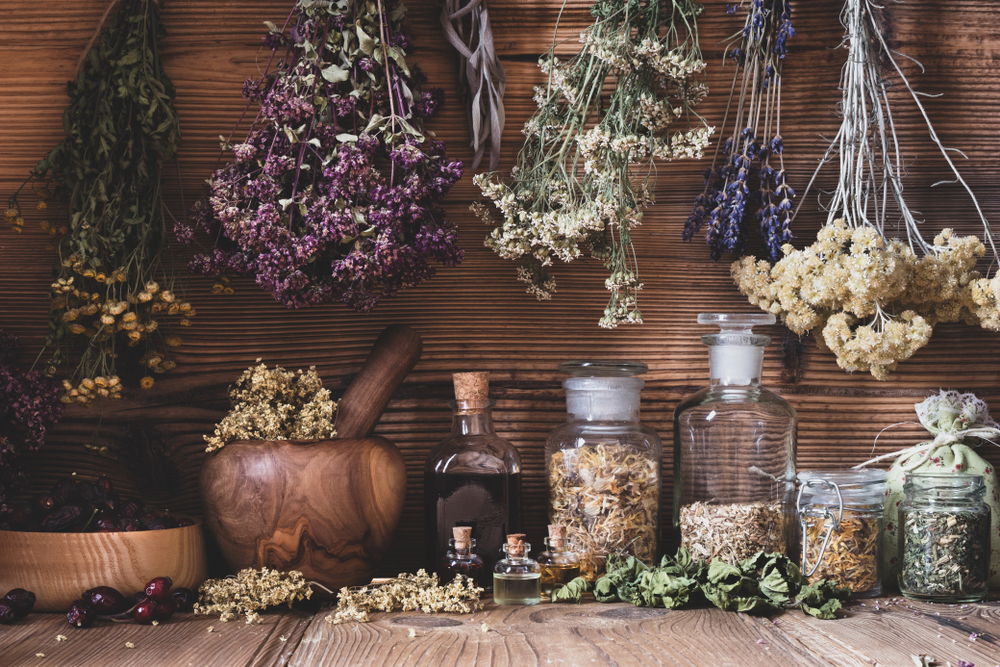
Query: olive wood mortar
[(327, 508)]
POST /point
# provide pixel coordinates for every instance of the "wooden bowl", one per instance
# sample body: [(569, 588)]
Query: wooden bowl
[(327, 508), (59, 567)]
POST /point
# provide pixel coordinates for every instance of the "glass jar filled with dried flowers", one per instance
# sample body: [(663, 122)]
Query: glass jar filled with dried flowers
[(841, 517), (734, 450), (604, 465)]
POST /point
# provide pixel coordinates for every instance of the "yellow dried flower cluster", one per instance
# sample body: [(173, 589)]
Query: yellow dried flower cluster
[(250, 592), (408, 592), (90, 389), (875, 302), (276, 405)]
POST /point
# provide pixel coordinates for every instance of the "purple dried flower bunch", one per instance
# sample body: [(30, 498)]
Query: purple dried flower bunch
[(29, 406), (749, 189), (335, 192)]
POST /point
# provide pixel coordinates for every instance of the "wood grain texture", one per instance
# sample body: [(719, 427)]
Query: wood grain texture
[(476, 316), (327, 508), (59, 567)]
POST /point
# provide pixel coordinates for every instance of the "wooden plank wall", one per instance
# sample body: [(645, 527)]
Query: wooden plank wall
[(477, 316)]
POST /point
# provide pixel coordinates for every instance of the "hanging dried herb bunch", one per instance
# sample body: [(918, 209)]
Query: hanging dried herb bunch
[(873, 298), (112, 295), (585, 173), (751, 147), (334, 193)]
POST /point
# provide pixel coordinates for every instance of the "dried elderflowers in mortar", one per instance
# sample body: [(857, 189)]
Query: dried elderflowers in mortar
[(275, 404), (250, 592), (407, 592)]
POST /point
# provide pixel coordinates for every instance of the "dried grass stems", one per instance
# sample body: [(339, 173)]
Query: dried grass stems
[(607, 496), (852, 554), (732, 532), (481, 76), (407, 592)]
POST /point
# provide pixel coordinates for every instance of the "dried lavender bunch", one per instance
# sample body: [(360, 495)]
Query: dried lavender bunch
[(874, 299), (29, 407), (752, 150), (275, 404), (480, 73), (585, 171), (334, 194), (250, 592)]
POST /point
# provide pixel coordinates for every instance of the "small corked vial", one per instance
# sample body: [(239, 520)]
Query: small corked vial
[(472, 392), (557, 535), (515, 545), (559, 563), (463, 536)]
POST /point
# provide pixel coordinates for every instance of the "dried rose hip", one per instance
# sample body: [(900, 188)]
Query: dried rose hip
[(81, 614), (105, 600)]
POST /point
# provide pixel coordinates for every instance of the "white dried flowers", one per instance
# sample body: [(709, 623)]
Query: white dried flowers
[(250, 592), (407, 592)]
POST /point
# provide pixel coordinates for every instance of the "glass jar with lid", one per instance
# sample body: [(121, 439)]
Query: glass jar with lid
[(841, 518), (734, 451), (604, 465), (944, 538)]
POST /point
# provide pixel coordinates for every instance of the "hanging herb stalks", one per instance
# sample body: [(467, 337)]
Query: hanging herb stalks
[(585, 172), (334, 194), (480, 74), (112, 294), (875, 299), (752, 151)]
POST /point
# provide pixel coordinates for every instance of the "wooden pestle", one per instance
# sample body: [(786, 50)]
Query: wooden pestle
[(394, 354)]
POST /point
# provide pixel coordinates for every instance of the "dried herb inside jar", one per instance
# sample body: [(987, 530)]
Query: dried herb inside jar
[(944, 553), (851, 556), (732, 532), (607, 496)]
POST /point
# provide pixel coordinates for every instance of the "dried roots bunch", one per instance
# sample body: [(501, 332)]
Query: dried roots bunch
[(275, 404), (335, 192), (584, 174), (250, 592), (408, 592)]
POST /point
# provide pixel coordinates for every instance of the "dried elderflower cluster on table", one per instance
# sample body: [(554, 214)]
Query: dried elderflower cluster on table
[(732, 532), (608, 498), (250, 592), (407, 592), (275, 404)]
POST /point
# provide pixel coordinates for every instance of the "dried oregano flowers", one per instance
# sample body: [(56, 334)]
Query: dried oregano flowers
[(250, 592), (585, 173), (407, 592), (112, 295), (275, 404)]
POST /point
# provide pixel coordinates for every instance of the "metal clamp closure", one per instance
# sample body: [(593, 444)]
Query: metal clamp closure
[(827, 515)]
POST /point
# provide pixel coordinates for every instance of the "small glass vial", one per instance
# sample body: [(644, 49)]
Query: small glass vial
[(517, 578), (841, 518), (559, 563), (944, 538), (461, 558), (734, 451)]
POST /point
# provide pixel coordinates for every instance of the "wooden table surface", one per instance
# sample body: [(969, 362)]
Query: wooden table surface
[(887, 632)]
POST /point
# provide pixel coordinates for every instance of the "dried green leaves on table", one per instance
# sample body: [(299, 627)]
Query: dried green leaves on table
[(572, 591), (760, 584)]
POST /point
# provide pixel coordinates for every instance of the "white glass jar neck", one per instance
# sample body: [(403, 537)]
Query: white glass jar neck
[(735, 365), (603, 398)]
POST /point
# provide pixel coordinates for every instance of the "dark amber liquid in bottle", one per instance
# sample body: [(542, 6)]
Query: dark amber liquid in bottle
[(452, 564)]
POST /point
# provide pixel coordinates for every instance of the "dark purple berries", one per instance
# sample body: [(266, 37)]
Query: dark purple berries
[(158, 589), (164, 610), (145, 612), (8, 611), (22, 600), (81, 614), (105, 600), (184, 598)]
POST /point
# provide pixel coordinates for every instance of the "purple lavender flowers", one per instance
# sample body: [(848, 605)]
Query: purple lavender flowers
[(334, 194)]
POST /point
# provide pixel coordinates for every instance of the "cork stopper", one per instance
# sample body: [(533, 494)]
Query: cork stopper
[(472, 391), (515, 545), (557, 535), (463, 536)]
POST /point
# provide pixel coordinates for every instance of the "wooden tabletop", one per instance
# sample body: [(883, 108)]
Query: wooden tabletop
[(887, 632)]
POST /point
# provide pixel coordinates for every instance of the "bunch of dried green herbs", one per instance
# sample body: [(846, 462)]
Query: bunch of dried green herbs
[(112, 293), (584, 174), (944, 553), (607, 496), (760, 584), (732, 532), (407, 592)]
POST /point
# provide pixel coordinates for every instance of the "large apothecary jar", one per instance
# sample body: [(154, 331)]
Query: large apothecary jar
[(604, 465), (734, 451)]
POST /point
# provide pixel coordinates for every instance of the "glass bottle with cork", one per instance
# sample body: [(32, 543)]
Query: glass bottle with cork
[(473, 478), (517, 578), (559, 563), (461, 558), (734, 451)]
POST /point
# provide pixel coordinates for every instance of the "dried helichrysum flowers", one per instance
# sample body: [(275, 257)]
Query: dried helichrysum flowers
[(250, 592), (275, 404), (29, 406), (335, 192), (112, 291), (584, 174), (407, 592)]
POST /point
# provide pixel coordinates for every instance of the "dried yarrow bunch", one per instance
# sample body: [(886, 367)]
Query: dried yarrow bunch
[(250, 592), (752, 148), (875, 299), (585, 172), (408, 592), (275, 404), (334, 194), (113, 295)]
